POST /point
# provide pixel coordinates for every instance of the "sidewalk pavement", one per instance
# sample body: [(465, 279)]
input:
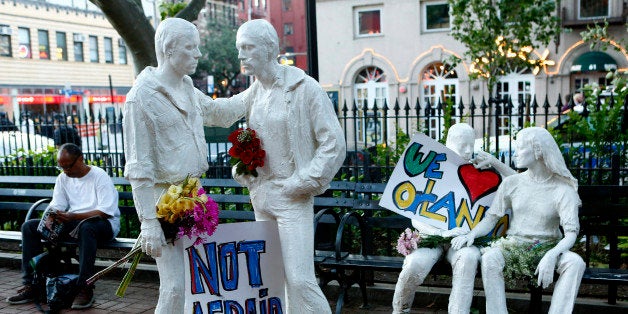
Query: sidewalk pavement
[(141, 297)]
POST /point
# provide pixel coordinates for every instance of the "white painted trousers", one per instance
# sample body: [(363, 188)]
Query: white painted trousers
[(570, 268), (171, 272), (416, 267), (171, 279), (295, 220)]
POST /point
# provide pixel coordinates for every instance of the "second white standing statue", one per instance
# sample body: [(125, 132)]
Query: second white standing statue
[(305, 147)]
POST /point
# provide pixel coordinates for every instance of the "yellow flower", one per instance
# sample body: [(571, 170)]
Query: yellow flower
[(195, 183), (175, 190), (203, 198)]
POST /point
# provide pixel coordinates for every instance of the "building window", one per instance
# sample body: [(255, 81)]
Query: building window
[(5, 41), (518, 86), (590, 9), (44, 44), (24, 43), (78, 47), (436, 16), (121, 51), (288, 29), (370, 89), (93, 49), (108, 50), (439, 83), (368, 21), (286, 5), (62, 47), (78, 52)]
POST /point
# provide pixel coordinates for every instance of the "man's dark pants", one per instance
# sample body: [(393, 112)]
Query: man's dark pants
[(91, 233)]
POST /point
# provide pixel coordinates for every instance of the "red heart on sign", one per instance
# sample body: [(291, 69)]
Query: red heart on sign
[(478, 182)]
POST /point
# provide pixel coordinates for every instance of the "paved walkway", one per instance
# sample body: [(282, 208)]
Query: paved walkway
[(141, 297)]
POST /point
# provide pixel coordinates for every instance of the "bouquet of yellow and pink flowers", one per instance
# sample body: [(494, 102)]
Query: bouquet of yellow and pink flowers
[(185, 210)]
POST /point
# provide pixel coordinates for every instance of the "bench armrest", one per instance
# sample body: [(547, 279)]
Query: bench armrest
[(34, 208), (341, 227)]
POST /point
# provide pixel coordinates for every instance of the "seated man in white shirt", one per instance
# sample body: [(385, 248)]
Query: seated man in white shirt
[(86, 201)]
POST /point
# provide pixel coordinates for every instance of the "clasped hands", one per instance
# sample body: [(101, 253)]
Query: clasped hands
[(483, 160)]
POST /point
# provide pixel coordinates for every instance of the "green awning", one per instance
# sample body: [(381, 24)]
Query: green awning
[(594, 61)]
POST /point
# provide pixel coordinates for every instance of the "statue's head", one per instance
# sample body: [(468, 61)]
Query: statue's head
[(257, 42), (461, 139), (535, 144), (171, 34)]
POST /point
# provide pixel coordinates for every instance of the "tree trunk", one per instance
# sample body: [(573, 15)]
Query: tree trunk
[(129, 20)]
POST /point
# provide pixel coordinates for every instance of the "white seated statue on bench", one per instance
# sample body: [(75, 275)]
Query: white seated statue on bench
[(542, 199), (464, 260)]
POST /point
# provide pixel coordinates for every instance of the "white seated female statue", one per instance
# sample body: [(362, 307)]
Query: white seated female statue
[(542, 199), (463, 260)]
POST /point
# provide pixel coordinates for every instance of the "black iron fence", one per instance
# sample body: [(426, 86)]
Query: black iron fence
[(376, 133)]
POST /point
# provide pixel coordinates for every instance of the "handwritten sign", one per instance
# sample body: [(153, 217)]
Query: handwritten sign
[(434, 185), (238, 269)]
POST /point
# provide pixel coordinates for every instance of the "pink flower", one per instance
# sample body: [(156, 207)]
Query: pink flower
[(408, 241)]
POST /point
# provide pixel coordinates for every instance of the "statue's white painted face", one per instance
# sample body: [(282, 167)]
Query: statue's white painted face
[(184, 57), (462, 145), (461, 139), (251, 53), (524, 153)]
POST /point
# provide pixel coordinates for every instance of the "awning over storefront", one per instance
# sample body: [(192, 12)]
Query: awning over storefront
[(594, 61)]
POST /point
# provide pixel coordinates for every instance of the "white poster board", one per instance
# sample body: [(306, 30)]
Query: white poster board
[(433, 184), (238, 269)]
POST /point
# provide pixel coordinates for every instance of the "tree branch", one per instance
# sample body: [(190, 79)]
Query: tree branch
[(128, 19), (191, 11)]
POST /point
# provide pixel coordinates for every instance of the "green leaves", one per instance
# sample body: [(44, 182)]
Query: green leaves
[(524, 23)]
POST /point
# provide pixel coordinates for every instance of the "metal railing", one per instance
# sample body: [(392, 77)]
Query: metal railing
[(372, 132)]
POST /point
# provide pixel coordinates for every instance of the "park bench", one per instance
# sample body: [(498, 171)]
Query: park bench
[(604, 213), (25, 197), (350, 212)]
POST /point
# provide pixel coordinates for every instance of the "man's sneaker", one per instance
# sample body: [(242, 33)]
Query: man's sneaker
[(84, 299), (25, 294)]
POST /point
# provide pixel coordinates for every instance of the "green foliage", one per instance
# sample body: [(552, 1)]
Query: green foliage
[(598, 135), (597, 36), (167, 9), (388, 155), (602, 130), (448, 120), (521, 259), (478, 23), (23, 162), (220, 56)]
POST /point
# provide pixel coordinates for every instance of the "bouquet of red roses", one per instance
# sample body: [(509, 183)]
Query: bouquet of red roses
[(246, 153)]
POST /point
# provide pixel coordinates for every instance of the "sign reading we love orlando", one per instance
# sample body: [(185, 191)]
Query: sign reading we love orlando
[(433, 184)]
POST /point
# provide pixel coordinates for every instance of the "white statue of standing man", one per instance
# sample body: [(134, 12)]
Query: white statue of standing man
[(163, 122), (542, 199), (463, 260), (305, 147)]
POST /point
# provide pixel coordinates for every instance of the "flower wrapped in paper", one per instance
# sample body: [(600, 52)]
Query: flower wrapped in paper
[(246, 153)]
